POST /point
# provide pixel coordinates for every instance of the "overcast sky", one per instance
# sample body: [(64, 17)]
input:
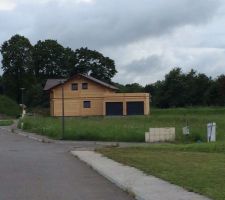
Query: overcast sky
[(146, 38)]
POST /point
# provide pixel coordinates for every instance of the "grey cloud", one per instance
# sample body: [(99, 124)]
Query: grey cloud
[(107, 24), (147, 70), (154, 67), (104, 22), (212, 62)]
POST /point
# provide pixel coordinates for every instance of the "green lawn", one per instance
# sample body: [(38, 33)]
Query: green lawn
[(6, 122), (196, 167), (131, 128)]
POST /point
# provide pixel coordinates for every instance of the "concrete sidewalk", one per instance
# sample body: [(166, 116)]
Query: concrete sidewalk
[(143, 187)]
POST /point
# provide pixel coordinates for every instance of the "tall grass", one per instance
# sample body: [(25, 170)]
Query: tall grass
[(131, 128)]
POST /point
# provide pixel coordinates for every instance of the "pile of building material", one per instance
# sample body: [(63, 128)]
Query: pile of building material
[(160, 134)]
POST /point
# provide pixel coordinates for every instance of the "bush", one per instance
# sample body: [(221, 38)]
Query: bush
[(8, 107)]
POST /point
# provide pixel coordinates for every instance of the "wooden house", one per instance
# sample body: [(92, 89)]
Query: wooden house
[(83, 95)]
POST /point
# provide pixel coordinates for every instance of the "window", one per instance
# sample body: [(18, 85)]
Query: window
[(74, 86), (84, 86), (86, 104)]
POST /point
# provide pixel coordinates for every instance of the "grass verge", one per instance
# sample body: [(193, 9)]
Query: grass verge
[(6, 122), (197, 167)]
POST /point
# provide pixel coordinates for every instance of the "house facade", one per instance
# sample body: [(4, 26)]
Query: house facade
[(86, 96)]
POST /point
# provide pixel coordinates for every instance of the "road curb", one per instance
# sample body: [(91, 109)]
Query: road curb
[(27, 135), (135, 182), (43, 140)]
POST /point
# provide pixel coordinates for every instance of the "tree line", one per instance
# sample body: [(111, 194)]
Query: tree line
[(180, 89), (29, 66)]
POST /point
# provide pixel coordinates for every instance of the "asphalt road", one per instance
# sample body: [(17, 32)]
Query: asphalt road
[(31, 170)]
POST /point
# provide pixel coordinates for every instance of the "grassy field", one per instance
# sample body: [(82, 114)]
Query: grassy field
[(6, 122), (196, 167), (131, 128)]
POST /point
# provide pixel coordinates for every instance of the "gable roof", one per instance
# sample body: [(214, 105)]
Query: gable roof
[(51, 83), (99, 82)]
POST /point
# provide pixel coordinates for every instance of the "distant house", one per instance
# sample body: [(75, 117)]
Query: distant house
[(87, 96)]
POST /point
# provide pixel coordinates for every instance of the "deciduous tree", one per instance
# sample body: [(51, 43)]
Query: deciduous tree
[(17, 65), (93, 63), (49, 60)]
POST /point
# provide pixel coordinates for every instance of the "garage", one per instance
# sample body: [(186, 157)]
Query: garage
[(135, 108), (114, 108)]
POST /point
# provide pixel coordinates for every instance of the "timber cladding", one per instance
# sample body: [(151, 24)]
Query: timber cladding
[(87, 96)]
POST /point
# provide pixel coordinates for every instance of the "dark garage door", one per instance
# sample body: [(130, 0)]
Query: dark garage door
[(114, 108), (135, 108)]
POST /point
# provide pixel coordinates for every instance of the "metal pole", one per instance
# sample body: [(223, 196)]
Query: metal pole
[(63, 119), (23, 107), (22, 98), (22, 89)]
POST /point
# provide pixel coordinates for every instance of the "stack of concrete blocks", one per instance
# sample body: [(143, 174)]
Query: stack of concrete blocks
[(160, 135)]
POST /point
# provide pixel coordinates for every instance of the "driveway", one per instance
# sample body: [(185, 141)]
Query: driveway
[(31, 170)]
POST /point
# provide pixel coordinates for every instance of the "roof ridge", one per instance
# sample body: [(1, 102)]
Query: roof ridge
[(51, 83), (99, 81)]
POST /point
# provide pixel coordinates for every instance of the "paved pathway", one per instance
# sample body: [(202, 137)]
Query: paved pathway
[(31, 170)]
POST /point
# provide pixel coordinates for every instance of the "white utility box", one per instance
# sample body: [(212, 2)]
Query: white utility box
[(186, 130), (211, 132)]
